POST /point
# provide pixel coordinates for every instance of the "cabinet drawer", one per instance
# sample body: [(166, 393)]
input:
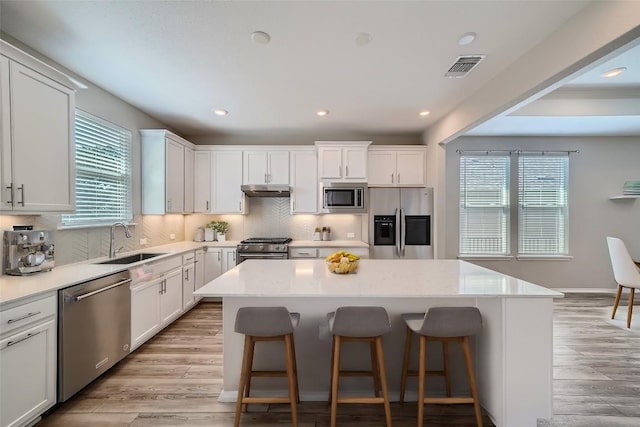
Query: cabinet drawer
[(304, 253), (188, 258), (25, 314)]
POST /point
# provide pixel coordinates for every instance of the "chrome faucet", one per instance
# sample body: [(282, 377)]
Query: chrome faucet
[(127, 233)]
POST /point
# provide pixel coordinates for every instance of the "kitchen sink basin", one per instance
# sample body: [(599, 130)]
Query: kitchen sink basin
[(130, 259)]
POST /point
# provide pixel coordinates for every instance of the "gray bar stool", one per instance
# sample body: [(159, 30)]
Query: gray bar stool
[(359, 324), (444, 324), (267, 324)]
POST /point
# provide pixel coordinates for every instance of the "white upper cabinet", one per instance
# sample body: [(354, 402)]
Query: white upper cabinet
[(166, 189), (202, 182), (226, 180), (393, 166), (189, 170), (37, 165), (266, 167), (174, 163), (304, 182), (342, 160)]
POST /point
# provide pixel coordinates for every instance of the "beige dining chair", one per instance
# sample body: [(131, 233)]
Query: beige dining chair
[(625, 272)]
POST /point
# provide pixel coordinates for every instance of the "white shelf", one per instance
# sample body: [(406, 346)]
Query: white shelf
[(624, 197)]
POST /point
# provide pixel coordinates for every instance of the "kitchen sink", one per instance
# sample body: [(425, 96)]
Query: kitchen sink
[(130, 259)]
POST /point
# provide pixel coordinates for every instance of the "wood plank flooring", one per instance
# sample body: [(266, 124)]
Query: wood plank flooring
[(175, 380)]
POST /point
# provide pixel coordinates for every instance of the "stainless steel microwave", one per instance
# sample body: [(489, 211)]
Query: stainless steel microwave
[(344, 197)]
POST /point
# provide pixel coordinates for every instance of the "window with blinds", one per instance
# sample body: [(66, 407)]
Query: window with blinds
[(103, 172), (543, 211), (484, 205)]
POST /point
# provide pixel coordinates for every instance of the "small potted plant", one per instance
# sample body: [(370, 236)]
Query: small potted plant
[(221, 228), (209, 232)]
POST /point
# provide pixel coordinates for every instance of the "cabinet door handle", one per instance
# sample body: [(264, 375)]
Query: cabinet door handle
[(207, 205), (398, 178), (346, 170), (392, 178), (294, 204), (265, 178), (10, 343), (219, 259), (21, 188), (240, 205), (186, 274), (26, 316), (11, 191)]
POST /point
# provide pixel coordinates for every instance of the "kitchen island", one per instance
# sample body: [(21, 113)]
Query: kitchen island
[(513, 353)]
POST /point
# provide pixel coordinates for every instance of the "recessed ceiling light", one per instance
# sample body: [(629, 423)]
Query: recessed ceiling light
[(466, 39), (424, 113), (363, 39), (322, 113), (220, 112), (614, 72), (260, 37)]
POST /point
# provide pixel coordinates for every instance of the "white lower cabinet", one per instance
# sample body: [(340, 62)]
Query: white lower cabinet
[(229, 259), (199, 271), (27, 362), (188, 281), (318, 252), (212, 264), (145, 311), (155, 304)]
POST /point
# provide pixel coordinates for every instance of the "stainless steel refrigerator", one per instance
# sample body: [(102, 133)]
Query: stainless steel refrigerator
[(400, 223)]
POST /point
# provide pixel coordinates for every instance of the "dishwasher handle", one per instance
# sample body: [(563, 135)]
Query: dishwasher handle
[(106, 288)]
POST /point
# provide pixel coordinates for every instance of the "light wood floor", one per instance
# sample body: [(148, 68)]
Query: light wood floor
[(175, 379)]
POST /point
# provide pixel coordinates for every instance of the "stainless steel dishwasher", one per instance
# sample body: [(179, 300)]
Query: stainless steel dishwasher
[(94, 330)]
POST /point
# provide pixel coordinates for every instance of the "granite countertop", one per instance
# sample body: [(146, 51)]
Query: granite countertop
[(375, 278)]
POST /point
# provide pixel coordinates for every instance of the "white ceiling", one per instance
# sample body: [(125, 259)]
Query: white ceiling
[(179, 60)]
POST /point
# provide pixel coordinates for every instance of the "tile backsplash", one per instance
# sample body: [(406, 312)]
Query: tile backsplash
[(268, 217)]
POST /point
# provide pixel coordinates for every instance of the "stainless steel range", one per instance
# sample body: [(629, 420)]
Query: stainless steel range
[(263, 248)]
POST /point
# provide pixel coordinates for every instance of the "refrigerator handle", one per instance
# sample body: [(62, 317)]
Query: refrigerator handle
[(397, 229), (402, 233)]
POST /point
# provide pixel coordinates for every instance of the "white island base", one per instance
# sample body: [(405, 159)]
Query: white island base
[(513, 352)]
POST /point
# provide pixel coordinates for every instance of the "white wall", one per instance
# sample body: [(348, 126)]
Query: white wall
[(598, 171)]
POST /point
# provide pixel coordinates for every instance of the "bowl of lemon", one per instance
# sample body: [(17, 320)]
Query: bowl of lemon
[(342, 262)]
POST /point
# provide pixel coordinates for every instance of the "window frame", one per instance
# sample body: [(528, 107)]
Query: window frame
[(514, 231), (69, 221), (561, 206), (504, 206)]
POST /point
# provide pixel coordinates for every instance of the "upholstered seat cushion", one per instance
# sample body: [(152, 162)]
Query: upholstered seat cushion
[(265, 321), (445, 322), (359, 322)]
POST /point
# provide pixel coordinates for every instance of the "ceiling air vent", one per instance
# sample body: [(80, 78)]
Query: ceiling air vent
[(463, 65)]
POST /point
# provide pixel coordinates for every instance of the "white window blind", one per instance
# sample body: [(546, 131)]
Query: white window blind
[(103, 172), (543, 212), (484, 205)]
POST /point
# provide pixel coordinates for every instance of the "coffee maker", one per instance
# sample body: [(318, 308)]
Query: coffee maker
[(27, 251)]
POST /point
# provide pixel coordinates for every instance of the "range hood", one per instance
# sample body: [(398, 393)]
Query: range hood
[(268, 190)]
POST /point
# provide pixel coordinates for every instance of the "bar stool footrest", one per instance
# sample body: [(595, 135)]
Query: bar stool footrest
[(363, 399), (255, 399), (448, 400)]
